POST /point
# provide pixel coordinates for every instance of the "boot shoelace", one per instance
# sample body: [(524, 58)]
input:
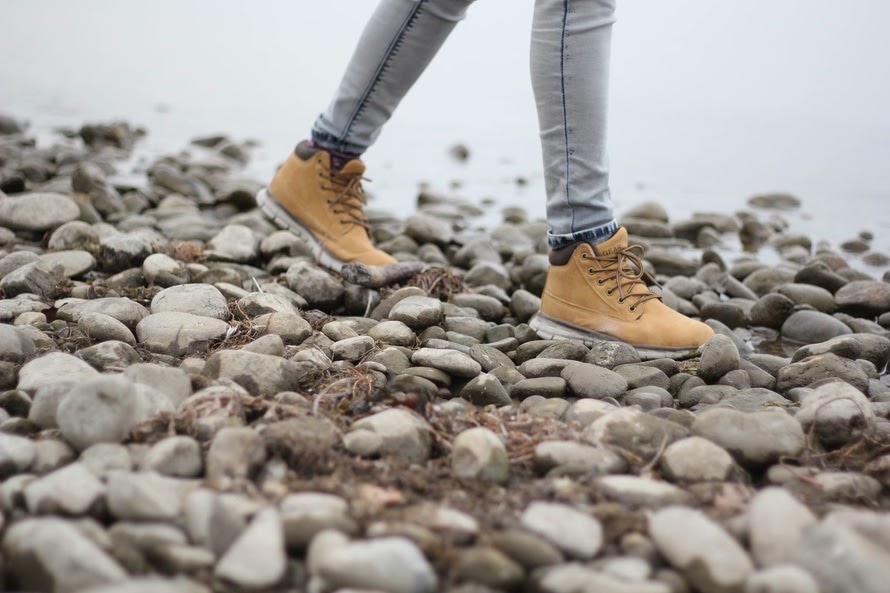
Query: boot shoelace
[(349, 200), (626, 269)]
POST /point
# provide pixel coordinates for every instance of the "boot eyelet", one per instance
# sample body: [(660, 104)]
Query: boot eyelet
[(585, 256), (633, 308), (600, 282), (609, 292), (621, 300)]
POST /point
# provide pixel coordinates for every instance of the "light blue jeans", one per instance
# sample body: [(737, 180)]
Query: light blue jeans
[(570, 50)]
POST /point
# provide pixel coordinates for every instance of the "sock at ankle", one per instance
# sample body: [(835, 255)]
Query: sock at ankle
[(338, 158)]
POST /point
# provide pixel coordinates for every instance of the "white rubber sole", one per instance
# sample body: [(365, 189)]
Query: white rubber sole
[(275, 212), (549, 328)]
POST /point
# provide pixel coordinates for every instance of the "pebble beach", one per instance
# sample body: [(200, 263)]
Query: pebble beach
[(188, 403)]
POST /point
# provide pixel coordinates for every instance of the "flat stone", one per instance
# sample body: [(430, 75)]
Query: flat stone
[(576, 458), (256, 561), (810, 327), (74, 263), (128, 312), (451, 361), (485, 390), (305, 514), (587, 380), (820, 367), (577, 534), (387, 564), (236, 452), (837, 414), (641, 492), (719, 356), (50, 554), (177, 456), (203, 300), (259, 374), (700, 549), (145, 496), (102, 410), (103, 328), (37, 211), (395, 431), (479, 454), (417, 312), (634, 430), (754, 439), (71, 490), (696, 460), (776, 522), (179, 334), (867, 297), (16, 454)]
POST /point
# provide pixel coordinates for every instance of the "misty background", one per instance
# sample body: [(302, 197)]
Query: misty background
[(711, 102)]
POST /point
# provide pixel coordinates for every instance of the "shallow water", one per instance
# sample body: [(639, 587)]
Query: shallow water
[(710, 104)]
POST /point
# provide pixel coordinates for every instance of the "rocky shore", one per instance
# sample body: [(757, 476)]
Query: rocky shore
[(189, 404)]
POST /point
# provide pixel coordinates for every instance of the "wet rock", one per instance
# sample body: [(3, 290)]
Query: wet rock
[(810, 327), (587, 380), (696, 460), (256, 561), (52, 555), (542, 386), (865, 297), (805, 294), (777, 201), (719, 356), (196, 299), (754, 439), (425, 228), (766, 280), (394, 431), (771, 310), (776, 525), (837, 414), (822, 366), (37, 212), (478, 454), (576, 533), (387, 564), (700, 549)]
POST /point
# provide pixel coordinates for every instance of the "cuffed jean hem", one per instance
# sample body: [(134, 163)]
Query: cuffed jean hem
[(326, 141), (593, 236)]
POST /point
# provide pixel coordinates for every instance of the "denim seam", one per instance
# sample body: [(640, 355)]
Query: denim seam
[(565, 111), (381, 69)]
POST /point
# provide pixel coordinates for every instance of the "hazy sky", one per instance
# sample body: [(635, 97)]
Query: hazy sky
[(709, 98)]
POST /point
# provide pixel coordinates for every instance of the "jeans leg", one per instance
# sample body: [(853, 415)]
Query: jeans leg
[(396, 46), (570, 50)]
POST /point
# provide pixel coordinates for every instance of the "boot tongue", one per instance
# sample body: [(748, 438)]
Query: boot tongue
[(613, 244), (353, 168)]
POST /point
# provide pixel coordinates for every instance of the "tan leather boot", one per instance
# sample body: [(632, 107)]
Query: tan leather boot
[(596, 293), (323, 207)]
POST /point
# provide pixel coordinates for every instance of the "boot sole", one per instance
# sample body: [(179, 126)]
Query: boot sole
[(550, 328), (279, 215)]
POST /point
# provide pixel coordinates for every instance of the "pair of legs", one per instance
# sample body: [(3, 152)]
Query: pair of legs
[(570, 50), (595, 287)]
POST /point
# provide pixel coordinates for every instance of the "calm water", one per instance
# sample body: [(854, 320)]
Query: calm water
[(710, 103)]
